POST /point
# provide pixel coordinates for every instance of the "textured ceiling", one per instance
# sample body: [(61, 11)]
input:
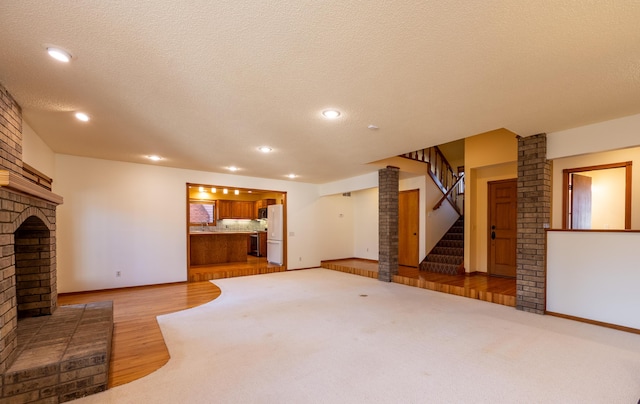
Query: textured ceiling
[(204, 83)]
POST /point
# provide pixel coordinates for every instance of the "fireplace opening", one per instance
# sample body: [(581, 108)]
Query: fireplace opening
[(35, 274)]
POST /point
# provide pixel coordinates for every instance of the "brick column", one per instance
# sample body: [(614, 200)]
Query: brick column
[(534, 213), (388, 184)]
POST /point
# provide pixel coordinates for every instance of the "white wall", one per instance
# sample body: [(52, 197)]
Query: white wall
[(132, 218), (351, 184), (336, 225), (616, 156), (36, 153), (366, 239), (602, 136), (591, 275), (607, 201)]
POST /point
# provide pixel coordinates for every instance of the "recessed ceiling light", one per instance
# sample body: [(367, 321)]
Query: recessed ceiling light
[(291, 176), (237, 192), (265, 149), (331, 113), (201, 189), (81, 116), (232, 168), (213, 190), (225, 191), (59, 54), (153, 157)]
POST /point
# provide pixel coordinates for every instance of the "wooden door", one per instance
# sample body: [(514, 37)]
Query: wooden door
[(408, 220), (502, 227), (580, 201)]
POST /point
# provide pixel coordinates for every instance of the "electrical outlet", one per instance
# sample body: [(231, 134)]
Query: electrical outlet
[(118, 273)]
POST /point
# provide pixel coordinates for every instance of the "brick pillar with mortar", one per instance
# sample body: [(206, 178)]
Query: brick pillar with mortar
[(388, 187), (534, 214)]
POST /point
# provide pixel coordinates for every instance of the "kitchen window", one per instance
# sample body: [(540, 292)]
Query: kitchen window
[(202, 213)]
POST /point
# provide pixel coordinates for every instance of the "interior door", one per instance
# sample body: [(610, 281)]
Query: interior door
[(580, 201), (502, 227), (408, 227)]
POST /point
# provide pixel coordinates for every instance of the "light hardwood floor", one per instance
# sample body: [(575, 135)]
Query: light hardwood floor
[(138, 348)]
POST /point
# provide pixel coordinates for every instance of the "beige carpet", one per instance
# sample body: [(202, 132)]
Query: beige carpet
[(319, 336)]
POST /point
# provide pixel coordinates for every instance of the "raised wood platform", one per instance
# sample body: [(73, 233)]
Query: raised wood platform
[(251, 266), (474, 286)]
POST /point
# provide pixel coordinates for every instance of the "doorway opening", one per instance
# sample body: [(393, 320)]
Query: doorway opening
[(230, 232), (597, 197)]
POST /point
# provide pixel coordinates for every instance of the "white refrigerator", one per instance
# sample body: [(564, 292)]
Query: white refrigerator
[(275, 236)]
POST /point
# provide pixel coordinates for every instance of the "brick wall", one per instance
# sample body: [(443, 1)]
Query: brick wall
[(10, 133), (388, 183), (534, 213)]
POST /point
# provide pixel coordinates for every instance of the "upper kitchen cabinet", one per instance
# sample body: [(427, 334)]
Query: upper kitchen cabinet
[(235, 209), (262, 204), (224, 209)]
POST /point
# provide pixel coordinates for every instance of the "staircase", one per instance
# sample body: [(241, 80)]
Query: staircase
[(447, 257)]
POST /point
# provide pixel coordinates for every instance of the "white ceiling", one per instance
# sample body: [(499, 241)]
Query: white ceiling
[(204, 83)]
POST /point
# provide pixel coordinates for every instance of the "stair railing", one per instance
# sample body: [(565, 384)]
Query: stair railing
[(452, 194), (442, 174)]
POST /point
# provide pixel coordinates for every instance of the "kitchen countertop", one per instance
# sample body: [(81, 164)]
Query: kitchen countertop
[(224, 232)]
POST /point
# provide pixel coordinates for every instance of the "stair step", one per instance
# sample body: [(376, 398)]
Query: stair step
[(457, 251), (448, 254), (445, 259), (451, 243), (449, 269), (455, 229)]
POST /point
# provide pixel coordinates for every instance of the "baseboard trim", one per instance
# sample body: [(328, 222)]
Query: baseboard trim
[(594, 322)]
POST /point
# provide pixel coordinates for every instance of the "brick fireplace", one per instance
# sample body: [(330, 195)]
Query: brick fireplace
[(27, 237), (49, 355)]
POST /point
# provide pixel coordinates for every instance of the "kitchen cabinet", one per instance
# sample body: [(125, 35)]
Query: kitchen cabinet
[(235, 209), (262, 240), (262, 203), (243, 210), (207, 248), (223, 209)]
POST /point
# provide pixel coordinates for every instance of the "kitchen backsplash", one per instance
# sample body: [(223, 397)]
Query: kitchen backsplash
[(233, 225)]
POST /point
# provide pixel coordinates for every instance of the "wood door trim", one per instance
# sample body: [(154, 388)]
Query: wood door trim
[(627, 194)]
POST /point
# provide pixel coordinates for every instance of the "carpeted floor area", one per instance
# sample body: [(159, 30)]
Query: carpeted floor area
[(321, 336)]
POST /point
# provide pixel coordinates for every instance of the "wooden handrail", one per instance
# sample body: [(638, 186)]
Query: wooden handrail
[(440, 171), (446, 195)]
